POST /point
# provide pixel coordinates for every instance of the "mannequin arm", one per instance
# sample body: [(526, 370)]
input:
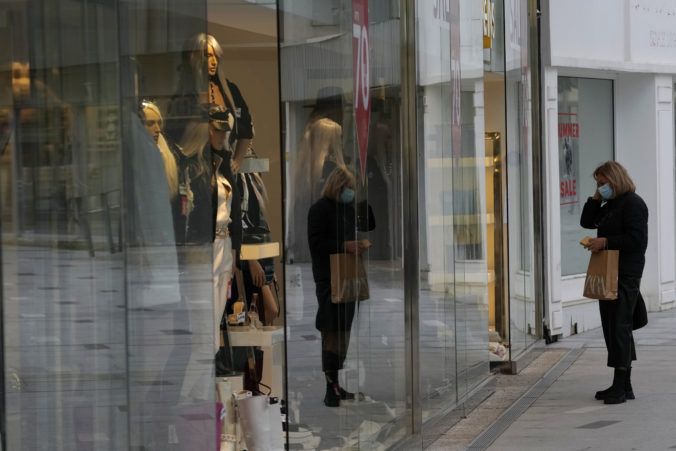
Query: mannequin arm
[(240, 150)]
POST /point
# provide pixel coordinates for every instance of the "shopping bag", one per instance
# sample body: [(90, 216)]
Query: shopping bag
[(601, 280), (348, 278)]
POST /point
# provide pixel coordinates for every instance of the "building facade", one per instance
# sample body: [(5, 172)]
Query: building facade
[(607, 94), (115, 262)]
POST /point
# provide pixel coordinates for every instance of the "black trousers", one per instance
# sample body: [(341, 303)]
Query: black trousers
[(617, 322), (334, 349)]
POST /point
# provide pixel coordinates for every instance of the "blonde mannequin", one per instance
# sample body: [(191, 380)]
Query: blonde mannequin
[(153, 123)]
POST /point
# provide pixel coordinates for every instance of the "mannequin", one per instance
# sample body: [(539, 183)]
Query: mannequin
[(221, 122), (225, 93), (153, 122)]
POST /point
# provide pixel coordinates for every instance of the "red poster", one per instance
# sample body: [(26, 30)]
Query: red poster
[(362, 82), (569, 136)]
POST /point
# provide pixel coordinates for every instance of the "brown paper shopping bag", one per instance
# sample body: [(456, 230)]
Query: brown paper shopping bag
[(601, 280), (348, 278)]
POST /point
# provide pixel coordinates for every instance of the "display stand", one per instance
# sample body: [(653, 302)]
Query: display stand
[(271, 340)]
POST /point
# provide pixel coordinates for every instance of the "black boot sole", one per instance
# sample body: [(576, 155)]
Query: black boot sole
[(614, 400), (601, 395)]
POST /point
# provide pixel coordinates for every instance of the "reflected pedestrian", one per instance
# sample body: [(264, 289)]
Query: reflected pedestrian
[(332, 225)]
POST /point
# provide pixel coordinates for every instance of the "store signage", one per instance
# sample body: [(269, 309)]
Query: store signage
[(362, 82), (569, 134), (489, 23), (456, 80)]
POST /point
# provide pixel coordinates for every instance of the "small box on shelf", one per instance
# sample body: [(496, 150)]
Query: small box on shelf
[(258, 251)]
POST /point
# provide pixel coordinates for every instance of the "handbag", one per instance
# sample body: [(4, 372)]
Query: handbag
[(348, 278), (601, 279)]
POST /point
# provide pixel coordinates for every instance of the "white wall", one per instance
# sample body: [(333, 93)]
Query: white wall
[(645, 128), (591, 30), (629, 35), (644, 143), (552, 232)]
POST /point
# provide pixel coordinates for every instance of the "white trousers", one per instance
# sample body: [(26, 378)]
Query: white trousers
[(223, 266)]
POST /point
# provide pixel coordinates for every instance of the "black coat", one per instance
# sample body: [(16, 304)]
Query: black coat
[(330, 224), (624, 222), (200, 226)]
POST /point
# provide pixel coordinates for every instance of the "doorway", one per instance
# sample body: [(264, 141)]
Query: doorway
[(496, 239)]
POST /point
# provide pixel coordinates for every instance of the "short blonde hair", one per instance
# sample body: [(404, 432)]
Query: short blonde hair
[(338, 180), (618, 177)]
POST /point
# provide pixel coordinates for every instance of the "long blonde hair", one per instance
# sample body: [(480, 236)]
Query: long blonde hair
[(167, 156), (193, 144)]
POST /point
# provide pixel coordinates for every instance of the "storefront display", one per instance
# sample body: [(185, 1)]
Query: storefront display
[(175, 179)]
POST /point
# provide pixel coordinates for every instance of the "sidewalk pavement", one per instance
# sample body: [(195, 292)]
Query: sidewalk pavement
[(559, 412)]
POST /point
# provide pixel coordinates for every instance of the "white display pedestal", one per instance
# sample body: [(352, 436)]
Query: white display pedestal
[(271, 341)]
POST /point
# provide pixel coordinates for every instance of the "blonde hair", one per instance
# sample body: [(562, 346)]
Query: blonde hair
[(338, 180), (167, 156), (193, 144), (618, 177)]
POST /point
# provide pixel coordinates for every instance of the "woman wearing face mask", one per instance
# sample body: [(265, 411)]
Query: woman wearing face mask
[(333, 222), (621, 219)]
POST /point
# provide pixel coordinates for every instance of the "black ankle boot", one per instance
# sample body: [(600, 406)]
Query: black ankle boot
[(344, 394), (628, 390), (616, 394), (332, 398)]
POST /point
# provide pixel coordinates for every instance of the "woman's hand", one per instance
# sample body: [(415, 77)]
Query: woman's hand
[(353, 247), (597, 244), (596, 195), (257, 273)]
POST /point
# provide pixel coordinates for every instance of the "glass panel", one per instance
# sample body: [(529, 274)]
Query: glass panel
[(63, 273), (453, 296), (519, 179), (359, 346), (496, 140), (168, 240), (104, 316), (244, 36), (435, 191), (469, 205), (585, 141)]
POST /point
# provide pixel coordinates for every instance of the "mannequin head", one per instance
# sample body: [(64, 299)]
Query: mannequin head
[(153, 120), (329, 104), (202, 53), (212, 60)]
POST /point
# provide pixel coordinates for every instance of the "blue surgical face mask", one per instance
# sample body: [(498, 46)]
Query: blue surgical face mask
[(606, 191), (347, 195)]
